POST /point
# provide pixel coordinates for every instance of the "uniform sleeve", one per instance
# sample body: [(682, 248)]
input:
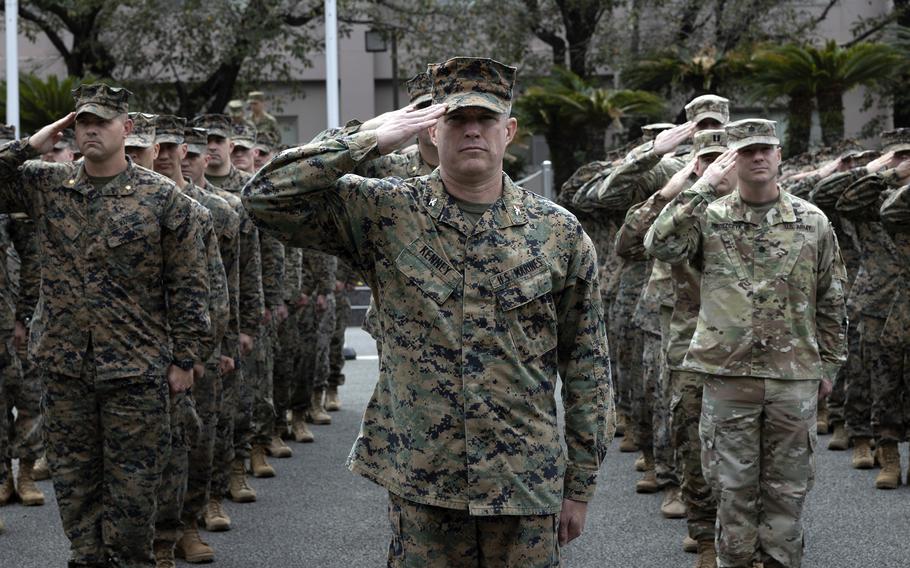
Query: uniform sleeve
[(640, 175), (895, 211), (25, 240), (251, 304), (272, 269), (229, 248), (630, 239), (828, 191), (675, 235), (584, 366), (831, 307), (293, 264), (862, 199), (219, 302), (22, 176), (185, 278), (325, 272), (801, 187), (306, 197)]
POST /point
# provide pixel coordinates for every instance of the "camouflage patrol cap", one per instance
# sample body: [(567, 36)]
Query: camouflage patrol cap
[(751, 131), (235, 106), (256, 96), (420, 90), (216, 124), (473, 81), (709, 142), (169, 129), (244, 135), (196, 139), (897, 140), (650, 131), (7, 133), (143, 133), (68, 140), (708, 106), (267, 141), (101, 100)]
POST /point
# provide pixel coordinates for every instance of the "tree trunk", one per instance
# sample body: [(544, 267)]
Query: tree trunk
[(831, 113), (799, 123)]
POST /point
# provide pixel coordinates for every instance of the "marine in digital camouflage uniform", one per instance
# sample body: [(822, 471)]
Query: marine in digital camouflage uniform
[(643, 172), (263, 121), (882, 362), (7, 359), (479, 310), (187, 478), (771, 333), (233, 446), (121, 312)]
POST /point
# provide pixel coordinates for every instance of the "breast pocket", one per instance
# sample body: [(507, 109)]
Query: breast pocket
[(526, 303), (131, 240)]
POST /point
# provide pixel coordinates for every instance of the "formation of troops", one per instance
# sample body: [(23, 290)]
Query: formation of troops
[(174, 309), (126, 284)]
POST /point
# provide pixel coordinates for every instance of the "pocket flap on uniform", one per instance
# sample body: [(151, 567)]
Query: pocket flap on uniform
[(427, 270), (520, 285), (128, 229)]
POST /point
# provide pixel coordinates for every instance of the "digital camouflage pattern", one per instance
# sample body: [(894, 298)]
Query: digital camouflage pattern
[(101, 100), (528, 304), (123, 270), (897, 140), (265, 122), (708, 106), (319, 329), (759, 442), (347, 276), (243, 135), (420, 90), (773, 301), (424, 536), (471, 81), (143, 133), (214, 124)]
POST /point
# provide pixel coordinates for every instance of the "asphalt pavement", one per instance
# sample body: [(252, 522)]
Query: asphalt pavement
[(316, 514)]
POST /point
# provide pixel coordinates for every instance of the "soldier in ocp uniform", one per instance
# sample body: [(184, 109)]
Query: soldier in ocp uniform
[(484, 291), (770, 337), (122, 308)]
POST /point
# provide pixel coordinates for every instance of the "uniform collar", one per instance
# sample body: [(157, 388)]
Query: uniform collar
[(123, 184), (782, 212), (507, 211)]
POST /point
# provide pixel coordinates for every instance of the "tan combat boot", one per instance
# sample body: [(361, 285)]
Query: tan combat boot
[(673, 506), (41, 471), (7, 487), (191, 548), (277, 448), (629, 442), (707, 556), (28, 492), (215, 517), (318, 415), (258, 463), (301, 431), (862, 454), (640, 464), (839, 440), (164, 555), (332, 403), (690, 545), (890, 475), (821, 420), (648, 482), (238, 488), (620, 425)]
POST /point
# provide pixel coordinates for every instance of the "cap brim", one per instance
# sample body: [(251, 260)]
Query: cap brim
[(219, 133), (195, 149), (482, 100), (710, 114), (754, 140), (139, 141), (711, 150), (244, 143), (899, 147), (422, 99), (169, 139), (104, 112), (262, 148), (62, 145)]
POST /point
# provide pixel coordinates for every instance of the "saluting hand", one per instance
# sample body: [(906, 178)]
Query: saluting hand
[(880, 163), (676, 184), (669, 140), (718, 170), (43, 141), (401, 126)]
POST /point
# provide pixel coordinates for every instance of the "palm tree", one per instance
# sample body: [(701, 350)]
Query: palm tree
[(690, 74), (41, 101), (802, 73), (574, 115)]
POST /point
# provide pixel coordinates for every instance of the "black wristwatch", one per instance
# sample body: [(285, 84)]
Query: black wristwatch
[(185, 364)]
